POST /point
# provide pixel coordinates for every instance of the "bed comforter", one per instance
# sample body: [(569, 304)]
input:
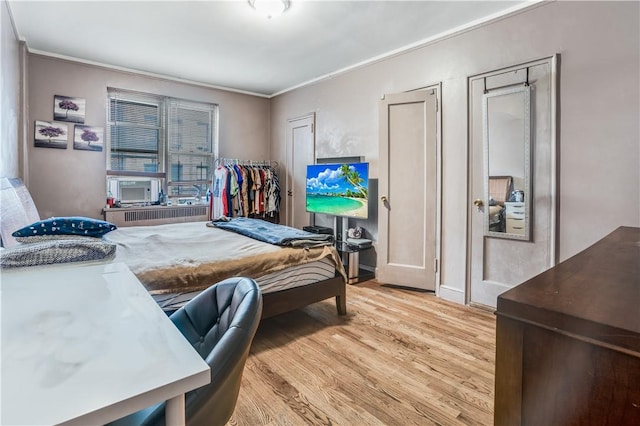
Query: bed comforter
[(192, 256)]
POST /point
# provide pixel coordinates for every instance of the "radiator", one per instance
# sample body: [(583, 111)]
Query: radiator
[(156, 215)]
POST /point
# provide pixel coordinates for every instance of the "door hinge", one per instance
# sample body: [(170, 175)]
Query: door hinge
[(312, 128), (436, 104), (435, 265)]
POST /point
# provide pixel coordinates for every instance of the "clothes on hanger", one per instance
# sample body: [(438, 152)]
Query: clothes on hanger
[(245, 190)]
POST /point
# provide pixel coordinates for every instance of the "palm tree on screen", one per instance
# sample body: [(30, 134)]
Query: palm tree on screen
[(353, 177)]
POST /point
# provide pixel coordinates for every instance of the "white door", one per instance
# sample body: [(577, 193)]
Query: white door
[(407, 188), (498, 264), (300, 152)]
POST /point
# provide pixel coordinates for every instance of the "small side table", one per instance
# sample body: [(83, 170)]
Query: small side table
[(350, 255)]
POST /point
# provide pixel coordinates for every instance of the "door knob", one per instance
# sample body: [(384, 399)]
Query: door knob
[(478, 202), (383, 199)]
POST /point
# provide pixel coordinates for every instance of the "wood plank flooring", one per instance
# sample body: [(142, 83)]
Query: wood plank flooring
[(399, 357)]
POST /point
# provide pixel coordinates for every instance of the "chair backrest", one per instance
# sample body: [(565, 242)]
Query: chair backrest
[(220, 323), (499, 188)]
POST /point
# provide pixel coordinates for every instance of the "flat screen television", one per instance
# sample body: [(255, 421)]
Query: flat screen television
[(340, 189)]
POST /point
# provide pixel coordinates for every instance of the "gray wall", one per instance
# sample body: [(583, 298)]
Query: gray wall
[(72, 182), (9, 96), (599, 150), (599, 154)]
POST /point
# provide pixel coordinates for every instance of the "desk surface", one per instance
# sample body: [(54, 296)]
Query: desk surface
[(86, 344), (596, 293)]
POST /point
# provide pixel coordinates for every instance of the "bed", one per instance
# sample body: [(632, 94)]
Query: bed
[(176, 261)]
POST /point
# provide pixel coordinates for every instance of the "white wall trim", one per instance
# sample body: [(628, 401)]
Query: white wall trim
[(144, 73), (422, 43), (13, 22), (23, 124), (451, 294), (527, 4), (553, 225)]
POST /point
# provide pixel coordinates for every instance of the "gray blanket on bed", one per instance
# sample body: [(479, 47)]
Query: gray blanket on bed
[(273, 233)]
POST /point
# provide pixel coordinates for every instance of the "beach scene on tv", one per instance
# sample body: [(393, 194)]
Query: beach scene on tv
[(338, 189)]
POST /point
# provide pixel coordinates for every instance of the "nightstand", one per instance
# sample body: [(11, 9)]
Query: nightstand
[(514, 214)]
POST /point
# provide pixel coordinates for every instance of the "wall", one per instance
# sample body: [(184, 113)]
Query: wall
[(9, 96), (599, 149), (72, 182)]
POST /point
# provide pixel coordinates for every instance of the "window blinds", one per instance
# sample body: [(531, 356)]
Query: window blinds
[(155, 134), (135, 131), (192, 127)]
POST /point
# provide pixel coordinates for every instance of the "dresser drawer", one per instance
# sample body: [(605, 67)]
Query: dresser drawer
[(514, 213), (515, 210), (515, 226)]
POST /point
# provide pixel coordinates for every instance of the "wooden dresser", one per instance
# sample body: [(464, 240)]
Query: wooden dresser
[(568, 340)]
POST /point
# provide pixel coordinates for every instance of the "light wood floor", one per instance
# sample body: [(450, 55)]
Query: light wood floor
[(399, 357)]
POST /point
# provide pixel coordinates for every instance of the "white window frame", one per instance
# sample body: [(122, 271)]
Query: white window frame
[(173, 105), (139, 98), (165, 153)]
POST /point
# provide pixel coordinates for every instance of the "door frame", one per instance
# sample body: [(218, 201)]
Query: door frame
[(289, 159), (437, 87), (554, 136)]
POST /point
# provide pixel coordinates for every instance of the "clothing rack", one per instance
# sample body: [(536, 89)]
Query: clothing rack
[(222, 161), (246, 188)]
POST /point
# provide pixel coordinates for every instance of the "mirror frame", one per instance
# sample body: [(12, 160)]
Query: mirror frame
[(526, 90)]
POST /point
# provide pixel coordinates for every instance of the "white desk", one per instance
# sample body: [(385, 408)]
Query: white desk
[(85, 345)]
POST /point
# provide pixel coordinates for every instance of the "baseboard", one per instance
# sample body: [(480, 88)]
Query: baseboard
[(451, 294)]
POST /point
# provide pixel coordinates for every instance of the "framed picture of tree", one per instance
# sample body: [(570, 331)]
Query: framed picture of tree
[(50, 135), (70, 109), (88, 138)]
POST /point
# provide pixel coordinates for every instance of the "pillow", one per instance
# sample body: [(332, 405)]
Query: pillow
[(56, 251), (76, 225)]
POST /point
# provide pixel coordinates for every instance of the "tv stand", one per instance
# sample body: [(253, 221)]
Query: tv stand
[(340, 226), (350, 255)]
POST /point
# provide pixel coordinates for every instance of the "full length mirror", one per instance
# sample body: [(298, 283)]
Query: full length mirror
[(507, 173)]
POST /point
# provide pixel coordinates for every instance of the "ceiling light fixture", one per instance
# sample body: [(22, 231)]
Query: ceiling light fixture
[(270, 8)]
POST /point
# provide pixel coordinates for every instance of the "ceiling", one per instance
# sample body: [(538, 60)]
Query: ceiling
[(228, 44)]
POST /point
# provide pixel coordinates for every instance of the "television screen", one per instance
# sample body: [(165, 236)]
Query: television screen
[(338, 189)]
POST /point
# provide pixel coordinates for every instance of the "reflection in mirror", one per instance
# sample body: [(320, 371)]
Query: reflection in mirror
[(507, 174)]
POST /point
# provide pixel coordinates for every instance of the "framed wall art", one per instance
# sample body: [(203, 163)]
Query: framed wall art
[(88, 138), (48, 134), (66, 108)]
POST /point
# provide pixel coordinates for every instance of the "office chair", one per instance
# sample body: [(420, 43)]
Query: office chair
[(220, 324)]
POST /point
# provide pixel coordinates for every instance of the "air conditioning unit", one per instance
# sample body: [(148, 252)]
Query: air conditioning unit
[(132, 190)]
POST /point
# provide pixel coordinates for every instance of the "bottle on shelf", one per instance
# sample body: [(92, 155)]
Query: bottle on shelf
[(110, 199)]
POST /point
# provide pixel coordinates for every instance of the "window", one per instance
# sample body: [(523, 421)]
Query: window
[(160, 137), (190, 147), (135, 133)]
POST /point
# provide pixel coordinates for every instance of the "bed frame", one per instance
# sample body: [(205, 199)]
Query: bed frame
[(283, 301), (18, 210)]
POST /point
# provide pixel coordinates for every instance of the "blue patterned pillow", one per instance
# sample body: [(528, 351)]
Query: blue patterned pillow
[(76, 225)]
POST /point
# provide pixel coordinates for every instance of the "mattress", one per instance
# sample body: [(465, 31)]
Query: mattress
[(295, 276)]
